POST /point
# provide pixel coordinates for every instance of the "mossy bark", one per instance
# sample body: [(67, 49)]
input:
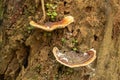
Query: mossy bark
[(26, 53)]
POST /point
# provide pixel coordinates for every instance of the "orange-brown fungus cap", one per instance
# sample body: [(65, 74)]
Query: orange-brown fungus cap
[(50, 26), (73, 59)]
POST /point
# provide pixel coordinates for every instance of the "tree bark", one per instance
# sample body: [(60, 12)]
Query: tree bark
[(26, 52)]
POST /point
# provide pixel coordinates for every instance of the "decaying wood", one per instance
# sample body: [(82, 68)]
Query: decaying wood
[(26, 53)]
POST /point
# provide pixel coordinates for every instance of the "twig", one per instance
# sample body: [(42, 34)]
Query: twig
[(44, 13)]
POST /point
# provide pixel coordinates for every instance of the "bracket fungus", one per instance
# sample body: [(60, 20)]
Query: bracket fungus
[(50, 26), (73, 59)]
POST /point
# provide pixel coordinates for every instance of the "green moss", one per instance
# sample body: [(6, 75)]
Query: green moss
[(75, 49), (74, 41), (30, 28), (63, 40), (51, 11)]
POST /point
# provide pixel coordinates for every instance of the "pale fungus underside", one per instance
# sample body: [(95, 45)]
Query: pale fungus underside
[(73, 59)]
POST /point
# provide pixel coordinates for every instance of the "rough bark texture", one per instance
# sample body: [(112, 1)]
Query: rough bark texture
[(26, 52)]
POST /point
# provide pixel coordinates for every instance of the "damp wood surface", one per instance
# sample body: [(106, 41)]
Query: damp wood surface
[(26, 52)]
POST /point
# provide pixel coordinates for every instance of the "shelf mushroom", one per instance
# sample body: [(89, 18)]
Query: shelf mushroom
[(50, 26), (73, 59)]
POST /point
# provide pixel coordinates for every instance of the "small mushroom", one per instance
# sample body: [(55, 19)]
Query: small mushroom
[(73, 59), (50, 26)]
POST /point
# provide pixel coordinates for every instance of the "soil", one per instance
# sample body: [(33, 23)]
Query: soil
[(26, 52)]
